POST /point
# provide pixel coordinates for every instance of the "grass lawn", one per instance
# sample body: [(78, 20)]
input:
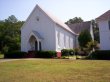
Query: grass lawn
[(55, 70), (1, 56)]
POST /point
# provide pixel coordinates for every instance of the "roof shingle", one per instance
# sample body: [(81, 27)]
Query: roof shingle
[(105, 16), (78, 27)]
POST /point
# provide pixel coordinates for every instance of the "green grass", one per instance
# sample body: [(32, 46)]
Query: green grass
[(55, 70), (1, 56)]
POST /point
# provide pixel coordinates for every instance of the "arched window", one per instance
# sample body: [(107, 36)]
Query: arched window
[(58, 36)]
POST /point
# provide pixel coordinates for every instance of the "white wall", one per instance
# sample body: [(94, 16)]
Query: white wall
[(91, 32), (66, 39), (104, 35), (45, 27)]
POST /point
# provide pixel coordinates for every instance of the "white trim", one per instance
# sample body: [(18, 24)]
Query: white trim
[(37, 39)]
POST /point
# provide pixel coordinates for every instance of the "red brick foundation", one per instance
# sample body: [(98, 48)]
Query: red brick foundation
[(59, 54)]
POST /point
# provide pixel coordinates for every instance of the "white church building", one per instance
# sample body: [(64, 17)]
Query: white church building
[(42, 31), (104, 30)]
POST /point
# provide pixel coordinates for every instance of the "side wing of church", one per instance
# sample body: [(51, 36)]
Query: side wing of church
[(42, 31), (104, 30)]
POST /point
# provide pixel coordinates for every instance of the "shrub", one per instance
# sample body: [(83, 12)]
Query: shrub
[(82, 53), (15, 54), (76, 51), (45, 54), (100, 54), (84, 37), (66, 52), (5, 49)]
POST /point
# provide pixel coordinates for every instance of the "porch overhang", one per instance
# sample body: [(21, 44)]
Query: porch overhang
[(35, 40), (36, 35)]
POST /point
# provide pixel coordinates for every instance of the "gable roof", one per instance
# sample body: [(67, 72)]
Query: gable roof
[(78, 27), (105, 16), (57, 21), (53, 18)]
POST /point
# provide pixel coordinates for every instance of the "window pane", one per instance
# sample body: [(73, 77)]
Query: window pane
[(58, 36)]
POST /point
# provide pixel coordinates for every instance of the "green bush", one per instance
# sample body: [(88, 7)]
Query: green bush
[(15, 54), (5, 49), (100, 54), (66, 52), (45, 54)]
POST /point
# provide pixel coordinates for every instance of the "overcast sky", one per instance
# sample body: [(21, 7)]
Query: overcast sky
[(63, 9)]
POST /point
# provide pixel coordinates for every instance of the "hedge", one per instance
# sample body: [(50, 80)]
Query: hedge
[(66, 52), (15, 54), (100, 55), (45, 54)]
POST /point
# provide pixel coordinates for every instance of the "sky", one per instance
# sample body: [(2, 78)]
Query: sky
[(62, 9)]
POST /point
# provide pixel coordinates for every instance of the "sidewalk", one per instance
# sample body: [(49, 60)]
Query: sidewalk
[(5, 60)]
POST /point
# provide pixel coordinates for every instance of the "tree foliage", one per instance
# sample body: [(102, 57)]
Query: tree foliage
[(11, 19), (84, 38), (92, 45), (10, 34), (74, 20)]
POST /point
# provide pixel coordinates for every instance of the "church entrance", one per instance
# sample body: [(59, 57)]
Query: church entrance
[(35, 45)]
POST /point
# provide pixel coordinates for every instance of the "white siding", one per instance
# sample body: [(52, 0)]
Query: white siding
[(104, 35), (66, 39), (45, 27), (91, 32), (39, 21)]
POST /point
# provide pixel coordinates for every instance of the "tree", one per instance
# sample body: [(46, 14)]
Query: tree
[(84, 38), (11, 19), (10, 34), (92, 45), (74, 20)]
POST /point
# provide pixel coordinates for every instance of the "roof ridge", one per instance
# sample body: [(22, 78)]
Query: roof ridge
[(56, 20), (105, 15), (80, 23)]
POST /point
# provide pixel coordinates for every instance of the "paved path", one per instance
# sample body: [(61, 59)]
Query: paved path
[(5, 60)]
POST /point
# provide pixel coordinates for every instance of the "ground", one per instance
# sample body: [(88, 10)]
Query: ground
[(55, 70), (1, 56)]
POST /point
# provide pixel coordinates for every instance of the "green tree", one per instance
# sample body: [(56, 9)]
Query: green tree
[(74, 20), (10, 34), (11, 19), (92, 45), (84, 38)]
